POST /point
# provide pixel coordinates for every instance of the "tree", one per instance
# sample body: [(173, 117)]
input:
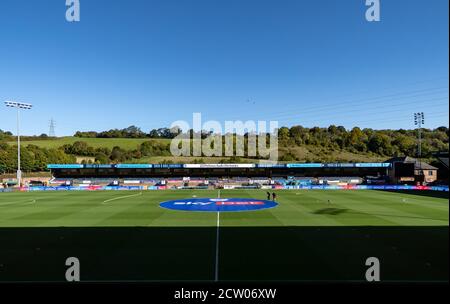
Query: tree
[(283, 133), (89, 134), (5, 135), (101, 158), (405, 144), (333, 130), (133, 132), (119, 155), (380, 144), (154, 148)]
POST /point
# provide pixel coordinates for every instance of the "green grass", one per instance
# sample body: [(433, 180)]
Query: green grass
[(304, 238), (125, 143), (296, 208)]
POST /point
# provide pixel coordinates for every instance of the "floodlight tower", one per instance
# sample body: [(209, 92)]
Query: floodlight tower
[(18, 106), (419, 120)]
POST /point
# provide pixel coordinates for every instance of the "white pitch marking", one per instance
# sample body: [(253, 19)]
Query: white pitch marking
[(27, 202), (216, 277), (120, 197), (30, 203)]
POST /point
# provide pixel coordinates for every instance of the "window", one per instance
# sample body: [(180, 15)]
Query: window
[(430, 173)]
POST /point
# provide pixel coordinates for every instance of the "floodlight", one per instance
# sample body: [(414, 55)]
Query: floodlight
[(18, 106)]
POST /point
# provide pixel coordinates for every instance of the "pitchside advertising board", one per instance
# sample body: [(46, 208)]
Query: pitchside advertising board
[(218, 204), (299, 187)]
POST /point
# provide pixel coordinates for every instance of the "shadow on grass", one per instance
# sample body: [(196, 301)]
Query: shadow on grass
[(338, 211), (252, 253), (444, 220), (427, 193), (330, 211)]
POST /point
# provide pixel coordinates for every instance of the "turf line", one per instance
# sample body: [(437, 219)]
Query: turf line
[(27, 202), (120, 197), (31, 202), (216, 277)]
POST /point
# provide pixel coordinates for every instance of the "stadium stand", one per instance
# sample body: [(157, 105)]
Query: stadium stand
[(217, 176)]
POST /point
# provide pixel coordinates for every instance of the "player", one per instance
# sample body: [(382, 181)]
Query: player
[(268, 195), (274, 196)]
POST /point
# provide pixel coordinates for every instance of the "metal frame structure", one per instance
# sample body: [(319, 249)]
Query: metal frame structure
[(18, 106), (419, 120)]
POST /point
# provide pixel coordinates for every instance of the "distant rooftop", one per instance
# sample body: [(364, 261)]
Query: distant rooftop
[(418, 165)]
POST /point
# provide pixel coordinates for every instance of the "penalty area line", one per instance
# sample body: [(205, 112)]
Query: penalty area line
[(120, 197)]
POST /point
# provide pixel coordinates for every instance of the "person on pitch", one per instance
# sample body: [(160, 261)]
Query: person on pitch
[(274, 196), (268, 195)]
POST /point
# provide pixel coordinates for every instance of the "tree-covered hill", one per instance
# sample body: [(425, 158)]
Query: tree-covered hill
[(296, 144)]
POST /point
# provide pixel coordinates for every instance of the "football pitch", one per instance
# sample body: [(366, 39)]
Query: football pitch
[(312, 235)]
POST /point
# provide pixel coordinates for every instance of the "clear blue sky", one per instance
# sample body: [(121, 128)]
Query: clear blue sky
[(152, 62)]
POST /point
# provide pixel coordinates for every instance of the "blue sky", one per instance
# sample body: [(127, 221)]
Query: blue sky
[(152, 62)]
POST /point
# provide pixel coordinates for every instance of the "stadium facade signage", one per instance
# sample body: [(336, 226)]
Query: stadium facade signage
[(221, 166), (65, 166), (203, 166), (134, 166), (218, 204), (175, 166)]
